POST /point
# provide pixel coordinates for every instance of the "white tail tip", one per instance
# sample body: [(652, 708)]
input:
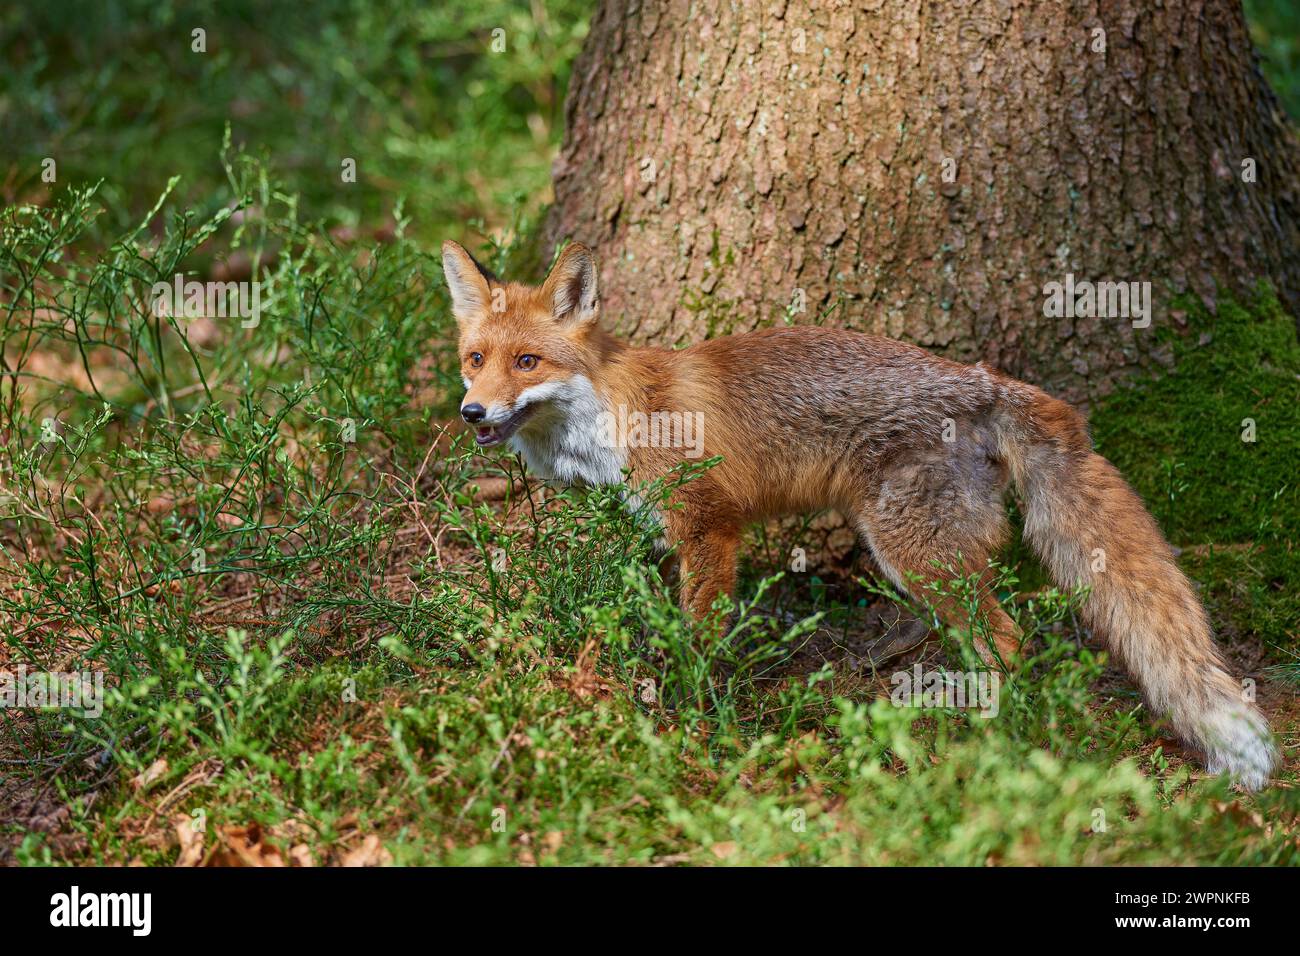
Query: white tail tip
[(1237, 740)]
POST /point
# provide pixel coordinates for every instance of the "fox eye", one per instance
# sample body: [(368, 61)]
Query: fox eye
[(476, 359), (527, 362)]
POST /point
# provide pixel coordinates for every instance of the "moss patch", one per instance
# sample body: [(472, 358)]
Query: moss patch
[(1214, 449)]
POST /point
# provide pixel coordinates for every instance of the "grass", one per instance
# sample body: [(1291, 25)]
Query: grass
[(311, 640), (333, 632)]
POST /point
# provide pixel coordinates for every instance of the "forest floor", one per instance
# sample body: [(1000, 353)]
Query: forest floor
[(334, 633)]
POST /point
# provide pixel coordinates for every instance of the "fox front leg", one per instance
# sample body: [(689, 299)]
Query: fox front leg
[(706, 568)]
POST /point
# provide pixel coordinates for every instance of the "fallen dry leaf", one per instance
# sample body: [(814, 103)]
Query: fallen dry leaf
[(552, 841), (145, 780), (370, 853), (301, 856), (190, 839), (160, 505), (244, 847), (489, 489)]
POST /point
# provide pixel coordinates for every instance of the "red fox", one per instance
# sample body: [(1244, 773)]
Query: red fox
[(915, 450)]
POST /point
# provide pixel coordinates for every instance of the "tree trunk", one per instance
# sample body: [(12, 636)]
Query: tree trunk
[(734, 161)]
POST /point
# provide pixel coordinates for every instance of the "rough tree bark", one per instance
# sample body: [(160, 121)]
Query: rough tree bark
[(722, 156)]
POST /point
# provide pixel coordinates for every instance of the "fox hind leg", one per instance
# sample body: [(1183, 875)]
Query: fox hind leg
[(939, 513), (925, 574)]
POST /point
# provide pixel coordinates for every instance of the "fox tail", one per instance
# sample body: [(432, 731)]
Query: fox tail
[(1089, 527)]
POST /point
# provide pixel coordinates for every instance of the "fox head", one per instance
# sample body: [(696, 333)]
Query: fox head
[(527, 354)]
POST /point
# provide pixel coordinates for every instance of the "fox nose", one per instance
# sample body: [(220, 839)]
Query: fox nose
[(473, 413)]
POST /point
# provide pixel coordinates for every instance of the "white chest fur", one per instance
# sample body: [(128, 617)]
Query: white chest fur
[(565, 440)]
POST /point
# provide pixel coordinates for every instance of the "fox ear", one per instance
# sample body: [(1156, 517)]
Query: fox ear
[(468, 283), (571, 287)]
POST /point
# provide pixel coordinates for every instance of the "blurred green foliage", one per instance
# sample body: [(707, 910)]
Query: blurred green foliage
[(1275, 28), (239, 523), (412, 90)]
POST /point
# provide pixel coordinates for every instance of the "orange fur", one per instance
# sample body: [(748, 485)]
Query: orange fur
[(916, 450)]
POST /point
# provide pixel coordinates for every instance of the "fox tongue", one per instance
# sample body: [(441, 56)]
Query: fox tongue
[(486, 431)]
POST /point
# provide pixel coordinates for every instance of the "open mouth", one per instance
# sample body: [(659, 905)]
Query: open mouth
[(489, 435)]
